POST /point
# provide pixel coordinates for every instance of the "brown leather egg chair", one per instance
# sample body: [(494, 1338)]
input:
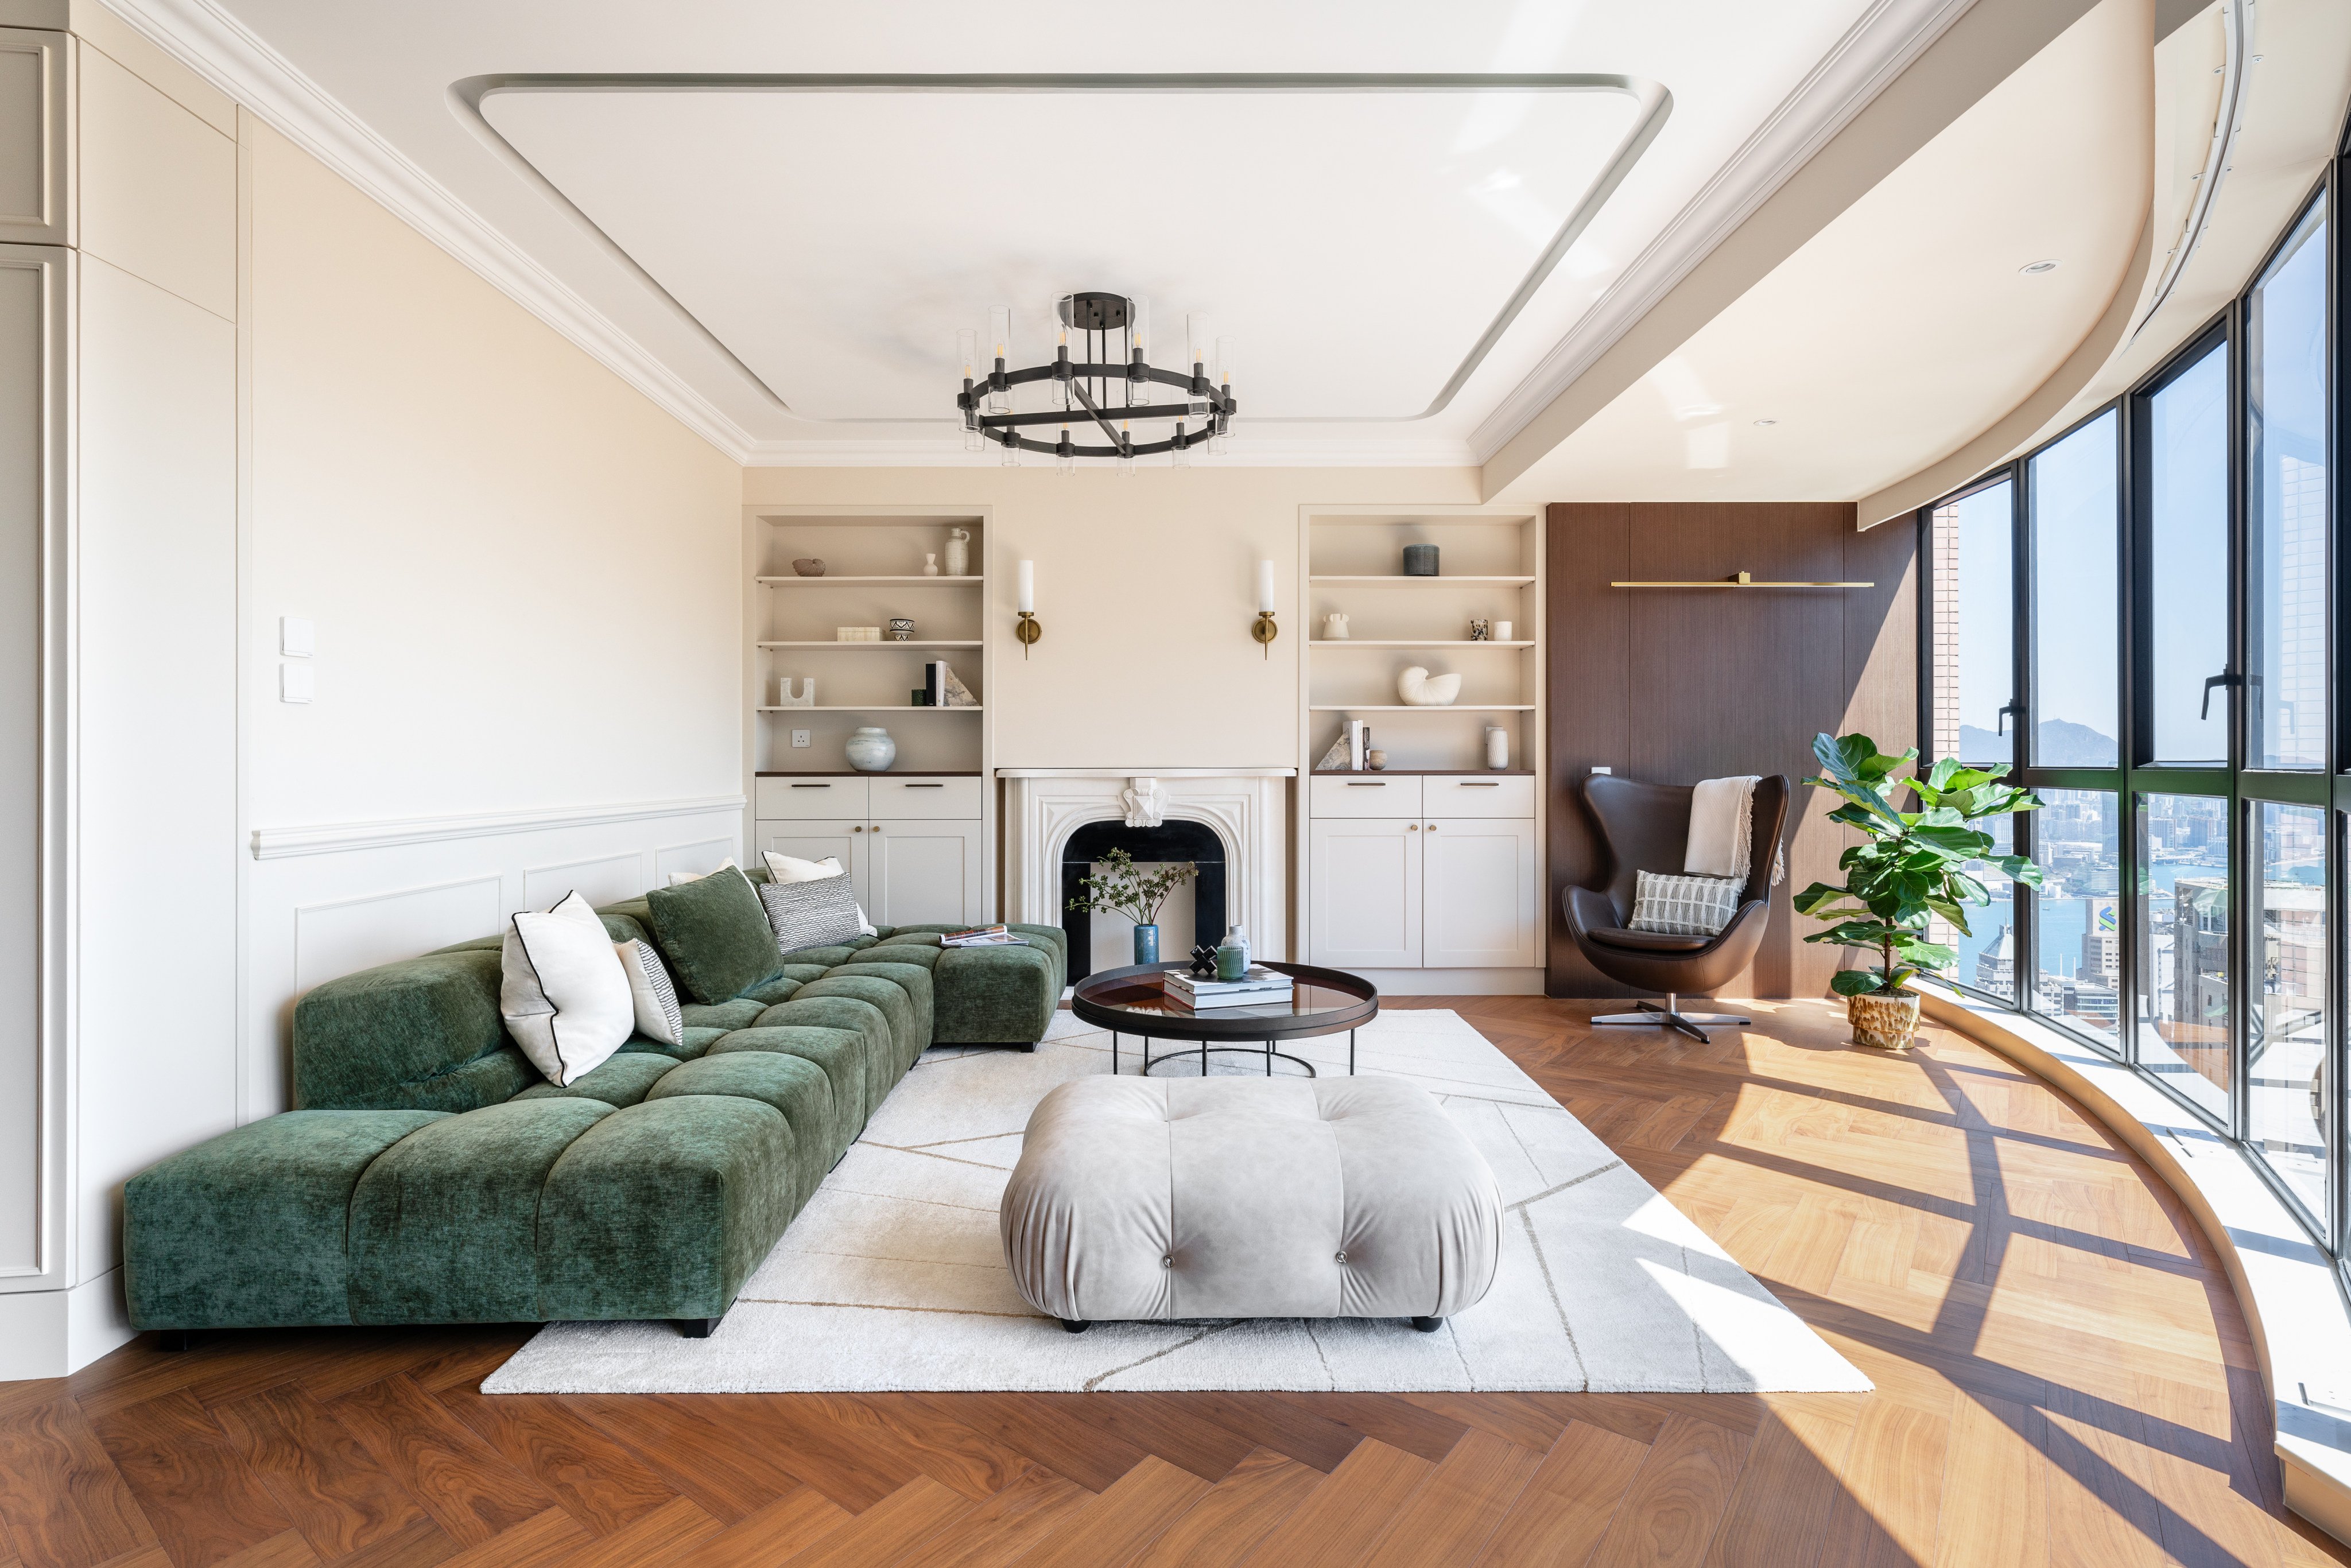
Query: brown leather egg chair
[(1646, 827)]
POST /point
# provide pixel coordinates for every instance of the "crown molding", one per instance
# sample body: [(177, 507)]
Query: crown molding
[(1876, 50), (1420, 452), (221, 49), (337, 838)]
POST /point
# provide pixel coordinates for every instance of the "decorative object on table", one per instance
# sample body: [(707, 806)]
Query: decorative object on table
[(901, 628), (1257, 988), (958, 552), (809, 566), (857, 633), (1028, 630), (1378, 761), (1501, 630), (1123, 889), (1145, 800), (870, 750), (1335, 759), (1416, 688), (1232, 956), (1482, 631), (1204, 961), (1264, 630), (785, 697), (1335, 627), (1912, 866), (930, 566), (1103, 374), (1420, 560), (1497, 747)]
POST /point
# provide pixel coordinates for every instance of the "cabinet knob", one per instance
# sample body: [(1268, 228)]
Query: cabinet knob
[(1412, 827), (1432, 827), (877, 827), (856, 829)]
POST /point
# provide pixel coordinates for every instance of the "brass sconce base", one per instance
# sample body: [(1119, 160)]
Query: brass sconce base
[(1265, 632), (1027, 631)]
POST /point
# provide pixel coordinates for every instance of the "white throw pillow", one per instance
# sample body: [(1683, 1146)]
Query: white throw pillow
[(655, 999), (785, 870), (1684, 905), (564, 993), (677, 877)]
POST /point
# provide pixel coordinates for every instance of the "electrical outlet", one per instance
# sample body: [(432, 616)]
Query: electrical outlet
[(799, 738)]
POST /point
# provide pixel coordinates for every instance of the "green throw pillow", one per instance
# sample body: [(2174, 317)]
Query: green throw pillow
[(714, 933)]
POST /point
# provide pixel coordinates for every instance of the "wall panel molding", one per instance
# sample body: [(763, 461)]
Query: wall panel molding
[(341, 837)]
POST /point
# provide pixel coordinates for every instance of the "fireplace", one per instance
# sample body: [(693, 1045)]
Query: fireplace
[(1169, 841), (1233, 823)]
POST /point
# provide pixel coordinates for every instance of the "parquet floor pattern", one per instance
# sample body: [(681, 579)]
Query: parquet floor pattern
[(2062, 1378)]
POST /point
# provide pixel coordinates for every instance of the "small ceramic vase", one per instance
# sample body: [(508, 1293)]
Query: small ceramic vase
[(870, 750), (1335, 627), (1232, 960), (809, 566), (1378, 761), (1497, 747), (930, 566), (901, 628), (1501, 630), (958, 552), (1147, 943)]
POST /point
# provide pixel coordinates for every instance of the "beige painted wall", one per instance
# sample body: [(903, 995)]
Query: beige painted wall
[(524, 576), (1146, 590)]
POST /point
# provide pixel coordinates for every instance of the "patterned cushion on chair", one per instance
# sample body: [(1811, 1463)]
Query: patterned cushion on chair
[(1684, 905)]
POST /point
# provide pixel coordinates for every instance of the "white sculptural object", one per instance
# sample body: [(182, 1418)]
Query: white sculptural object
[(1145, 800), (1416, 688), (1335, 627), (784, 697), (958, 552)]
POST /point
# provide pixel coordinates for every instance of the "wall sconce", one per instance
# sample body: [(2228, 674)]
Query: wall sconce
[(1265, 631), (1027, 630)]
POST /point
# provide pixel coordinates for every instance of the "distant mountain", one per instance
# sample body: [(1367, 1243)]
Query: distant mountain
[(2061, 742)]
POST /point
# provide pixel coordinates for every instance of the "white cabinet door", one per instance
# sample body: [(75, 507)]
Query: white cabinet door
[(1482, 902), (844, 841), (924, 872), (1363, 880)]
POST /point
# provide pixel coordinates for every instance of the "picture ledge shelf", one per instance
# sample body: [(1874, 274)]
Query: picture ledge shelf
[(914, 579), (1422, 708), (880, 643), (1397, 579)]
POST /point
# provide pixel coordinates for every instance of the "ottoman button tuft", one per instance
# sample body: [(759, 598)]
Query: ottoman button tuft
[(1342, 1257), (1167, 1262)]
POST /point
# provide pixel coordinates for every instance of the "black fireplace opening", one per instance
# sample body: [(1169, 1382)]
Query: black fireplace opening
[(1171, 841)]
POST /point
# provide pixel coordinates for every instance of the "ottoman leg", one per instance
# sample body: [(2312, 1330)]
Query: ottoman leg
[(696, 1328), (1075, 1325), (1428, 1325), (176, 1338)]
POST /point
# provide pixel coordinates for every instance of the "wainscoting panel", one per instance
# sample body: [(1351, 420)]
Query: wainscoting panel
[(401, 889), (1672, 685)]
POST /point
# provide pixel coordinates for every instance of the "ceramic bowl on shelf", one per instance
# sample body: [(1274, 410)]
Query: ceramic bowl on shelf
[(809, 566)]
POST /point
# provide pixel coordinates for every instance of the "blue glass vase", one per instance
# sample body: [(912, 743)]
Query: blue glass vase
[(1147, 943)]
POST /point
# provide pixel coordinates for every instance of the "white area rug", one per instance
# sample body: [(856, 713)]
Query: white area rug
[(893, 1275)]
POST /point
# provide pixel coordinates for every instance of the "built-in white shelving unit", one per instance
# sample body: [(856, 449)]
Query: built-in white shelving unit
[(1428, 876), (913, 859)]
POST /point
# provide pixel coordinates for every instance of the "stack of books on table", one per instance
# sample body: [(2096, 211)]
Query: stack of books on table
[(980, 937), (1258, 988)]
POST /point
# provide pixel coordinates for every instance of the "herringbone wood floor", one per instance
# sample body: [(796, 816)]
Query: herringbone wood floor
[(2063, 1379)]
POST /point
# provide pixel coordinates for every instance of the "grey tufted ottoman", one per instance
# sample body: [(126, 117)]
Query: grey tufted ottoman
[(1245, 1197)]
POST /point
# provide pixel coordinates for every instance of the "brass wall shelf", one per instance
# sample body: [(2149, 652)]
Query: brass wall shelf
[(1738, 579)]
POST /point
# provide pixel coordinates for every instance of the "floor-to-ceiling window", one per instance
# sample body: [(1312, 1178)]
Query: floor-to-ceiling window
[(2137, 616)]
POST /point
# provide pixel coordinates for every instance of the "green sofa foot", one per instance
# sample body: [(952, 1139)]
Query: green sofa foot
[(697, 1328), (176, 1338)]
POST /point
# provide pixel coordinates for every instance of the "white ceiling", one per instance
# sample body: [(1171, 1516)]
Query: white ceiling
[(790, 267)]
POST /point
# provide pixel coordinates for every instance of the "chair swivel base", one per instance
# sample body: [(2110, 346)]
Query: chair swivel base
[(1651, 1015)]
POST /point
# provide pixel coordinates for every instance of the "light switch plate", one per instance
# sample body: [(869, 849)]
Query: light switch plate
[(296, 682), (799, 738), (297, 638)]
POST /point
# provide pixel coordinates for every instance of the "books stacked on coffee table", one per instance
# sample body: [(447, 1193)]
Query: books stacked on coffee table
[(980, 937), (1258, 987)]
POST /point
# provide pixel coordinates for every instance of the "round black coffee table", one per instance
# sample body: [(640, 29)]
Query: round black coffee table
[(1131, 1001)]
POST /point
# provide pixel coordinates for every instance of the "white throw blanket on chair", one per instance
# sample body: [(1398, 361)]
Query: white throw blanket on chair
[(1722, 830)]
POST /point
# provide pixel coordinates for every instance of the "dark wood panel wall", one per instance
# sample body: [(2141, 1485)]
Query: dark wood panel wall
[(1672, 685)]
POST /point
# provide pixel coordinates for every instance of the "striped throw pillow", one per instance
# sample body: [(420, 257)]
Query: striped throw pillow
[(1684, 905), (818, 913)]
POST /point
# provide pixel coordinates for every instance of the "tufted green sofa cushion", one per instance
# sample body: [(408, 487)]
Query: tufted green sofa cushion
[(714, 935)]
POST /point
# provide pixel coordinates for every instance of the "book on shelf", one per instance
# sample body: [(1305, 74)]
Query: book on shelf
[(1257, 980)]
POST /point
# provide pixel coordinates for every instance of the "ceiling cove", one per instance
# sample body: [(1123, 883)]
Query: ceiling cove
[(584, 141)]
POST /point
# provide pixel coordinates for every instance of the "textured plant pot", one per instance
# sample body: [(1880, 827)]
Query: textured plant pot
[(870, 750), (1147, 943), (1884, 1022)]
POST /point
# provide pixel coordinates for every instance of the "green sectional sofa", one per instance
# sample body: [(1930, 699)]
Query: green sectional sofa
[(429, 1174)]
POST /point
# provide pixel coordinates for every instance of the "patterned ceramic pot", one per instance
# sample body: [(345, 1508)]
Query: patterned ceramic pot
[(1884, 1022), (870, 750)]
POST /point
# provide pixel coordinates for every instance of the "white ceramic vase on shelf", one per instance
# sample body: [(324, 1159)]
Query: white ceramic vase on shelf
[(1335, 627), (958, 552), (870, 750)]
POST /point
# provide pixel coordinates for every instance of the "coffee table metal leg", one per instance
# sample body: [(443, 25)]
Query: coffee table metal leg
[(1351, 1053), (1268, 1058), (1113, 1053)]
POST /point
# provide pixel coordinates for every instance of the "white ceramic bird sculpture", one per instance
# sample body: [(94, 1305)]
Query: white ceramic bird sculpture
[(1417, 688)]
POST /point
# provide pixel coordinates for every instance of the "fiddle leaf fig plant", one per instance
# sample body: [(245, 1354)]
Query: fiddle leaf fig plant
[(1911, 866)]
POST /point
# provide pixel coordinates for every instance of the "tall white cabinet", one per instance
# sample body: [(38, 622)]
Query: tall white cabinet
[(915, 837), (120, 303), (1426, 876)]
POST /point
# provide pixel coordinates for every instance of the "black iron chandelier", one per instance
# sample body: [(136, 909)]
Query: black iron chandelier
[(1104, 389)]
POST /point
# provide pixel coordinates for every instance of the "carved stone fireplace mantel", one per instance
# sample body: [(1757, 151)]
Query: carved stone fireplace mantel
[(1245, 807)]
